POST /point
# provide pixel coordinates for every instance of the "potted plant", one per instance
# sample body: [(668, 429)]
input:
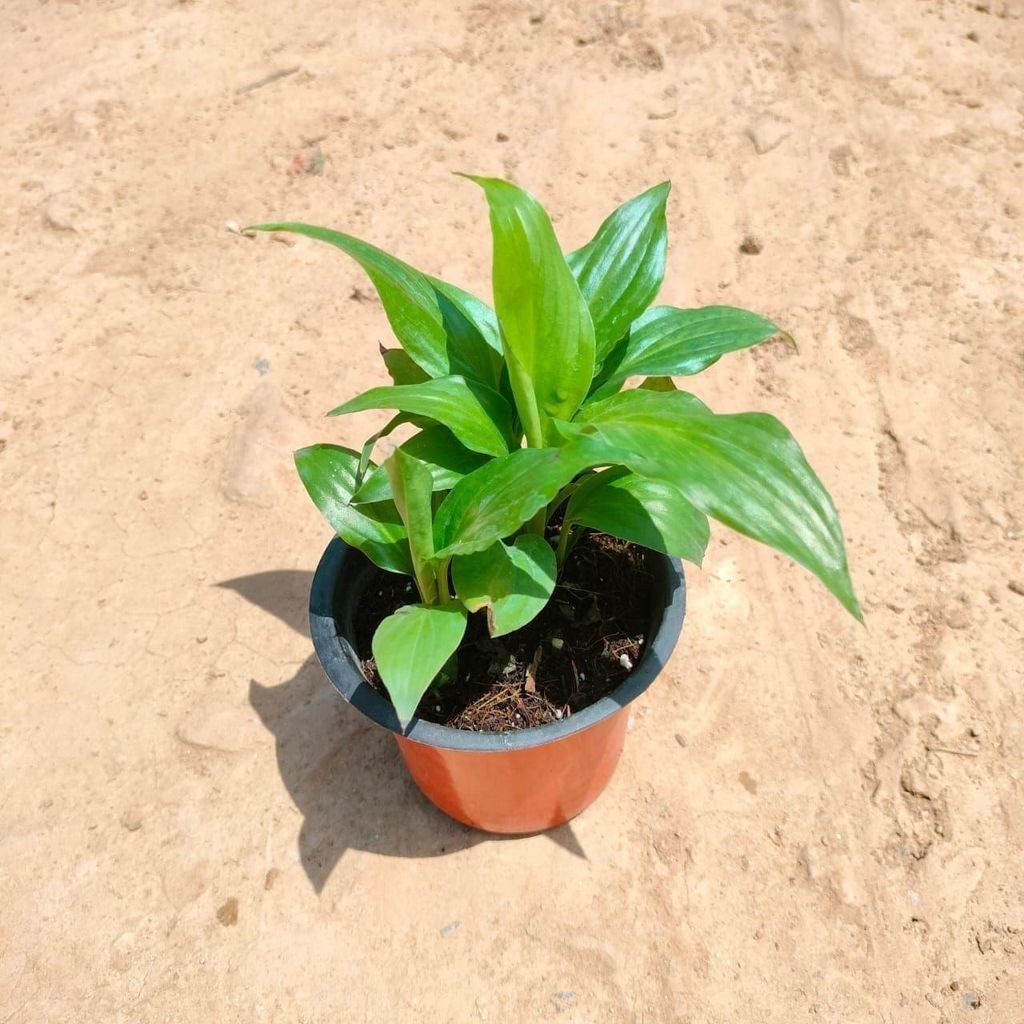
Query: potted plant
[(529, 469)]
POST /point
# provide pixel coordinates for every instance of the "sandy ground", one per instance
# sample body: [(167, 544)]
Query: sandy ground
[(811, 821)]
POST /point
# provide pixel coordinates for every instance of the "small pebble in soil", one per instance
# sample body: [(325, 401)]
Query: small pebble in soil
[(625, 661), (227, 914), (557, 642), (132, 819), (447, 929), (682, 740), (751, 245)]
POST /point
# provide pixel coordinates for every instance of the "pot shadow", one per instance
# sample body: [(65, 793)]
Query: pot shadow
[(342, 771)]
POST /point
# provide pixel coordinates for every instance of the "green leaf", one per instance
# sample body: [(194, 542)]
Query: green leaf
[(411, 647), (329, 475), (412, 487), (512, 583), (546, 329), (496, 500), (472, 329), (441, 452), (401, 367), (640, 404), (745, 470), (479, 417), (366, 453), (419, 308), (621, 269), (652, 513), (659, 384), (667, 341)]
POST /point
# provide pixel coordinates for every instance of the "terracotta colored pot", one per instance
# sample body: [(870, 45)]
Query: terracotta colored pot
[(514, 782)]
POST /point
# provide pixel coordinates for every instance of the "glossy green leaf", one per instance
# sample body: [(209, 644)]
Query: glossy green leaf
[(745, 470), (513, 582), (401, 367), (410, 649), (496, 500), (546, 329), (641, 404), (621, 269), (667, 341), (412, 487), (648, 512), (329, 475), (437, 447), (472, 329), (366, 453), (428, 317), (479, 417)]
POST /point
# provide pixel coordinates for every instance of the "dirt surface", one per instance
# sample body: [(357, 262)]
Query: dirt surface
[(582, 645), (811, 821)]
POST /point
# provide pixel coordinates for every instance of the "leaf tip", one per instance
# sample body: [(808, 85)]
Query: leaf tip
[(301, 456), (844, 591), (787, 337)]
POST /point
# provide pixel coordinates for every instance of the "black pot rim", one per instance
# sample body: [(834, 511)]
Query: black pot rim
[(341, 664)]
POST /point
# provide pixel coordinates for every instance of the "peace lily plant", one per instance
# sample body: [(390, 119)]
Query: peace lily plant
[(520, 414)]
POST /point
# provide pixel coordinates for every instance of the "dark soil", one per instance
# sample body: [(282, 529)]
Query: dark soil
[(581, 647)]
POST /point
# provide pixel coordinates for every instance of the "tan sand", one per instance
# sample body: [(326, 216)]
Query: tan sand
[(811, 822)]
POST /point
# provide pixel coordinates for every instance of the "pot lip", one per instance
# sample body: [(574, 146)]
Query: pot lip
[(340, 663)]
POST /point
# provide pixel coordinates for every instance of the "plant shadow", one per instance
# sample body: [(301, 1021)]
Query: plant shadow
[(343, 772)]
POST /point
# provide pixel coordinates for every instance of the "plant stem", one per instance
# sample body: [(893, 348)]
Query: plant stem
[(538, 523), (562, 496), (563, 544), (442, 582), (426, 585), (530, 418)]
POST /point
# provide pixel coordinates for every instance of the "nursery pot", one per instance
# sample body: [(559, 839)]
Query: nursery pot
[(510, 782)]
